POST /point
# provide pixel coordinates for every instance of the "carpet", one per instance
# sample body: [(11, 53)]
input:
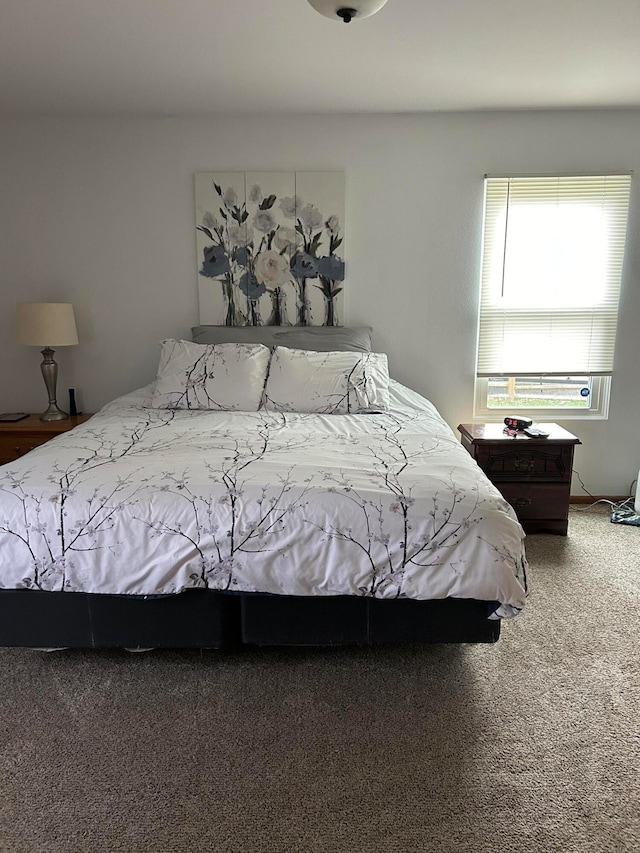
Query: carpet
[(531, 744)]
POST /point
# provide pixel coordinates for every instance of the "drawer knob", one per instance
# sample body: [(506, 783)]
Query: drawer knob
[(522, 502), (524, 464)]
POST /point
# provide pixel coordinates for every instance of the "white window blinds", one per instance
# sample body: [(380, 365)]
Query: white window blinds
[(551, 269)]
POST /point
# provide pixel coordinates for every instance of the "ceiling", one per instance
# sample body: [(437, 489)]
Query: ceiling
[(195, 57)]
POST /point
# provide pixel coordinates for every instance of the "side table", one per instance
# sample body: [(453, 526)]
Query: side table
[(19, 437), (533, 474)]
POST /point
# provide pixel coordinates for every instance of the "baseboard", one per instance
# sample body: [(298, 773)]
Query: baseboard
[(588, 499)]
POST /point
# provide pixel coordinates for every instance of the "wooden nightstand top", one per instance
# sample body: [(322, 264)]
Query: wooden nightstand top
[(33, 424), (476, 433)]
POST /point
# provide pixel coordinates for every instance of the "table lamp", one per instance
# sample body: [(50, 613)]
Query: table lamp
[(47, 324)]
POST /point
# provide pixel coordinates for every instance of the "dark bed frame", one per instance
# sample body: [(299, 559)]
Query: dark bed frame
[(211, 619)]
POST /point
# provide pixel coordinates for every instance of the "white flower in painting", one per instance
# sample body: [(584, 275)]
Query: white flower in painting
[(238, 235), (333, 224), (285, 238), (264, 221), (255, 193), (271, 269), (208, 219), (311, 217), (230, 197), (289, 205)]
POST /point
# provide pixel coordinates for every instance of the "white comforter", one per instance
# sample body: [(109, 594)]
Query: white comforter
[(142, 501)]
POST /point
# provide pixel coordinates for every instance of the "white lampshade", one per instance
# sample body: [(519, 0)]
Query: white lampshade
[(358, 8), (46, 324)]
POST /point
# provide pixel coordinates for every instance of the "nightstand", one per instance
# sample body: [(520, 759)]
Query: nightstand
[(18, 437), (533, 474)]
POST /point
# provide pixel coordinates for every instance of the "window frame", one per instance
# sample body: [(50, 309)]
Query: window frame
[(597, 410), (565, 187)]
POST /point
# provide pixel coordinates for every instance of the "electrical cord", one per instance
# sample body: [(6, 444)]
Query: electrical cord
[(613, 504)]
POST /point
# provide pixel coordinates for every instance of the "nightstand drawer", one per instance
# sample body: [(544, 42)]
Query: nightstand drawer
[(537, 500), (19, 437), (526, 462), (12, 447)]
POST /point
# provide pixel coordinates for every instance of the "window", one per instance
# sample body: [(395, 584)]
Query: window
[(553, 249)]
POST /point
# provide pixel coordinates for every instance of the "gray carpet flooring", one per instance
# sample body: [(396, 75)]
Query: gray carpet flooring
[(532, 744)]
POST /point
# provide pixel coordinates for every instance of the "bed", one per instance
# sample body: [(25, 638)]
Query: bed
[(239, 498)]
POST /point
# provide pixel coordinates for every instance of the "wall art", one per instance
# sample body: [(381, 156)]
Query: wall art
[(270, 248)]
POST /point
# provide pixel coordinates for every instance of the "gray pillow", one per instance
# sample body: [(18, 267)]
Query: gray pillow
[(316, 338)]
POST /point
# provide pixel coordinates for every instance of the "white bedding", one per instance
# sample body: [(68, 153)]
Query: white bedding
[(144, 501)]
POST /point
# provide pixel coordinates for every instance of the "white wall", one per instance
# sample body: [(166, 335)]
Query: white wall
[(100, 212)]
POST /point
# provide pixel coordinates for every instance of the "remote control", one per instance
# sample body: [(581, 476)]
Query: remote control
[(13, 416), (536, 432)]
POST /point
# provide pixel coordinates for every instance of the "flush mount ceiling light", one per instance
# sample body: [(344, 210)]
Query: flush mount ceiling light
[(347, 10)]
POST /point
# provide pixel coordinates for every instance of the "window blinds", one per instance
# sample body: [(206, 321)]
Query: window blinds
[(551, 269)]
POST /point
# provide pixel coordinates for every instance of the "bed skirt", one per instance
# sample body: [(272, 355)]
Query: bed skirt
[(211, 619)]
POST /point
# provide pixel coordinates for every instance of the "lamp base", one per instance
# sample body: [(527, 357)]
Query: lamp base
[(50, 374), (53, 413)]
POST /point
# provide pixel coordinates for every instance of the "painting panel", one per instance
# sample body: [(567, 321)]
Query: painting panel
[(271, 209), (319, 266), (221, 235)]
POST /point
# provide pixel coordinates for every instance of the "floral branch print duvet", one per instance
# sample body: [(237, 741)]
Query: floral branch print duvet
[(145, 501)]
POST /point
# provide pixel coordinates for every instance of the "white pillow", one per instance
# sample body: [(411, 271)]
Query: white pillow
[(227, 377), (331, 383)]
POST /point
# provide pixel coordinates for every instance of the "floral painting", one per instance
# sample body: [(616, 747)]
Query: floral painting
[(270, 248)]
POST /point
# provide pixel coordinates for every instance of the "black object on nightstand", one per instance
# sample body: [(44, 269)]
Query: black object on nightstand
[(12, 417), (533, 473)]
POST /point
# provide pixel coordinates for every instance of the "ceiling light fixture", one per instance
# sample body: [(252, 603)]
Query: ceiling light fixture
[(347, 10)]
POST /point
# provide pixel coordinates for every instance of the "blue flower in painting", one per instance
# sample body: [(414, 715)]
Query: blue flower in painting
[(242, 256), (331, 267), (304, 266), (250, 287), (215, 262)]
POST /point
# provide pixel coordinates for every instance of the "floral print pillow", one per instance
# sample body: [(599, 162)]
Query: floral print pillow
[(228, 377), (331, 383)]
